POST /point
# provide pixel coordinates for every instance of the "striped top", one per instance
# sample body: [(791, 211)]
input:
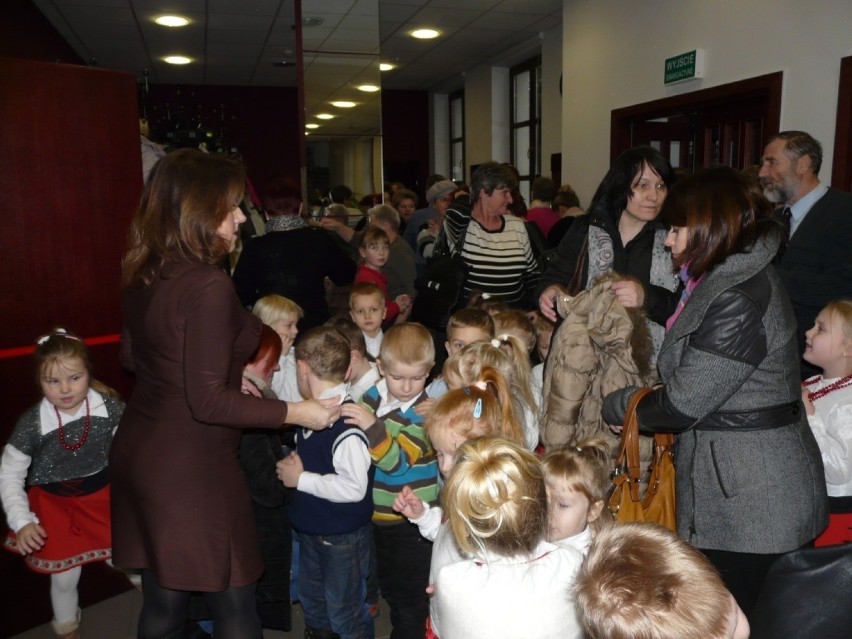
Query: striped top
[(501, 261), (402, 456)]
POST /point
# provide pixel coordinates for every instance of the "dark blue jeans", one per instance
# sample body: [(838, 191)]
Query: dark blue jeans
[(333, 582)]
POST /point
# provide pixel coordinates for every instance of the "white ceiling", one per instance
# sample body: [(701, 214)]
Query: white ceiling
[(239, 42)]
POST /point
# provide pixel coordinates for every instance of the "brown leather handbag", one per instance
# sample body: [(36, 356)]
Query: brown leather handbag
[(625, 503)]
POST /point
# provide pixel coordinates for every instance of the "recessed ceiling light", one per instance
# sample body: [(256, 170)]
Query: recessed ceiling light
[(312, 22), (425, 34), (343, 104), (177, 59), (323, 116), (384, 66), (368, 88), (171, 21), (312, 126)]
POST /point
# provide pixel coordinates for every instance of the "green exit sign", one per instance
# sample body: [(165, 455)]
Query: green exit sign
[(683, 67)]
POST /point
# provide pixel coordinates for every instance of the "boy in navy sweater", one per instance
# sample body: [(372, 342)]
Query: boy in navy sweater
[(332, 507)]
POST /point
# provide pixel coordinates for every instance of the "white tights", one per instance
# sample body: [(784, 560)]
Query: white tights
[(63, 594)]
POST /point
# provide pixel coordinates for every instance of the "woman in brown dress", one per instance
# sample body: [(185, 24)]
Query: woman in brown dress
[(181, 506)]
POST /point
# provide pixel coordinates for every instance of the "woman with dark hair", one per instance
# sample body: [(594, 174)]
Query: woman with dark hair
[(750, 482), (292, 259), (181, 510), (620, 233)]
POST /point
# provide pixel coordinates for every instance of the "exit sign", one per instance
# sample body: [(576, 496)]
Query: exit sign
[(683, 67)]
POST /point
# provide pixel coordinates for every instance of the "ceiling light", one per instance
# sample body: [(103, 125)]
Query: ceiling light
[(425, 34), (368, 88), (177, 59), (323, 116), (312, 22), (171, 21), (312, 126), (343, 104), (384, 66)]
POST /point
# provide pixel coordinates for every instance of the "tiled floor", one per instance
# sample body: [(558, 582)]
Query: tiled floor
[(116, 619)]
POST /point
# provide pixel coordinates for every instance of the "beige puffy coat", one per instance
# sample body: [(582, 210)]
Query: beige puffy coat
[(594, 352)]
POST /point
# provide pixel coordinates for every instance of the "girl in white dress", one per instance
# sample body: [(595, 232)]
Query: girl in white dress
[(828, 402)]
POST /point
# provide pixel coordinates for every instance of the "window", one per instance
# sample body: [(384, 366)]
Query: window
[(525, 140), (457, 136)]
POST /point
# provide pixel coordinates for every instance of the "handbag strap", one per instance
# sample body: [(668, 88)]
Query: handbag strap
[(628, 451), (442, 244)]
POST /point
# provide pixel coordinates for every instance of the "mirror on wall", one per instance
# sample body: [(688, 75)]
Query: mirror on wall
[(342, 119)]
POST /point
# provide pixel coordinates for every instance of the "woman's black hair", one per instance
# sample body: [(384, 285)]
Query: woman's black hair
[(616, 188)]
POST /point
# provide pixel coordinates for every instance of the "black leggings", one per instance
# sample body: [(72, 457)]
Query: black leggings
[(164, 611)]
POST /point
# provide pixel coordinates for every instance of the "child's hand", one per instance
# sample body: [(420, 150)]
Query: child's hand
[(425, 407), (30, 539), (809, 405), (358, 415), (430, 589), (289, 470), (408, 504)]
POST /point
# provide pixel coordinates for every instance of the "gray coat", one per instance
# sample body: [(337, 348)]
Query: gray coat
[(749, 474)]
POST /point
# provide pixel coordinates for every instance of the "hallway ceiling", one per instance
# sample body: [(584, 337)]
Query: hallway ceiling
[(238, 42), (245, 42)]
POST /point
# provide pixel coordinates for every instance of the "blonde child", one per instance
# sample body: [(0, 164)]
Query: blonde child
[(543, 334), (367, 310), (283, 315), (642, 581), (59, 448), (514, 583), (457, 417), (577, 482), (362, 372), (464, 327), (402, 455), (506, 353), (828, 402), (374, 251)]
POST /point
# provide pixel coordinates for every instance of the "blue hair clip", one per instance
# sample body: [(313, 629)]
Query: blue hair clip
[(477, 409)]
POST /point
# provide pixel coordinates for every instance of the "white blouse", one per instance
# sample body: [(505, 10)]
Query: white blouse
[(832, 428)]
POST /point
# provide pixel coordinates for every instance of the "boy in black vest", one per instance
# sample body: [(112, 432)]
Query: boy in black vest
[(332, 507)]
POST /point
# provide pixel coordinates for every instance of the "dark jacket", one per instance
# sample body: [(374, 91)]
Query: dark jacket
[(633, 259)]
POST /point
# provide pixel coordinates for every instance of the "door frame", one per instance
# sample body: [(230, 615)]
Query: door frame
[(841, 168), (769, 86)]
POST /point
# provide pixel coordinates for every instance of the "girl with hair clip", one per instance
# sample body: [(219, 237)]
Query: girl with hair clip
[(482, 409), (507, 354), (514, 583), (59, 450), (577, 481)]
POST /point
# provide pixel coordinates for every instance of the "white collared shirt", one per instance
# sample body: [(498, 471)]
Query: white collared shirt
[(800, 208), (388, 403)]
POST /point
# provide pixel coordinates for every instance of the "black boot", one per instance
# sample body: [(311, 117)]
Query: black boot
[(312, 633)]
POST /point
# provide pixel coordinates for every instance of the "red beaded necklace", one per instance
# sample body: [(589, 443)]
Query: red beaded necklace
[(843, 382), (86, 427)]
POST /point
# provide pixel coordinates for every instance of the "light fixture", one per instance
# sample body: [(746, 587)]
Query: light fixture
[(385, 66), (343, 104), (323, 116), (312, 22), (312, 126), (177, 59), (171, 21), (368, 88), (424, 34)]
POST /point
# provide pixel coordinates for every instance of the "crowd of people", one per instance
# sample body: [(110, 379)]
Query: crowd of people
[(277, 449)]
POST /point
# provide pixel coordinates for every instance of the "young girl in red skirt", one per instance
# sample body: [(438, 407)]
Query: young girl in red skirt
[(53, 474), (828, 402)]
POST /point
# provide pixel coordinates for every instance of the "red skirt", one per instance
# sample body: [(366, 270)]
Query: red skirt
[(78, 530), (839, 530)]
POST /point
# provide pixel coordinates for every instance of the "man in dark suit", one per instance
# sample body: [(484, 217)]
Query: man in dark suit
[(816, 266)]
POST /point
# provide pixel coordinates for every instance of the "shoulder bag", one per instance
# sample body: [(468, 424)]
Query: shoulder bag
[(440, 291), (625, 502)]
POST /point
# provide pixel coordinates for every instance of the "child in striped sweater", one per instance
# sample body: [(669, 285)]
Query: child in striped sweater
[(403, 456)]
